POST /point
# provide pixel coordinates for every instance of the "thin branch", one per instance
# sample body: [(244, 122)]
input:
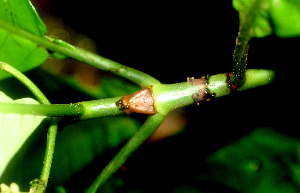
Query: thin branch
[(102, 63), (26, 81), (50, 146), (151, 124), (82, 110), (52, 110)]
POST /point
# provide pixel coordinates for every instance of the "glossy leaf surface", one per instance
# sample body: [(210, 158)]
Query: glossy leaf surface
[(17, 51)]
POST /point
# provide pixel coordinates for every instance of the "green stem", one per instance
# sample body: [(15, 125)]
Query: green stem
[(52, 129), (26, 81), (84, 56), (81, 110), (218, 84), (53, 110), (101, 108), (167, 98), (151, 124), (237, 77), (50, 146), (171, 96)]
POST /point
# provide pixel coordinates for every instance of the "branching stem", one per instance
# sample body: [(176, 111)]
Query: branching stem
[(167, 97)]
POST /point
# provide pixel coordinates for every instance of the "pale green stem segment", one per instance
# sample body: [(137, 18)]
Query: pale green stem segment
[(171, 96), (151, 124), (26, 81), (41, 185), (218, 84), (50, 145), (53, 110), (101, 108), (168, 97), (84, 56), (81, 111)]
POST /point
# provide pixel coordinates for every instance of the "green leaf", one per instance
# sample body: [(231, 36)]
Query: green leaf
[(17, 51), (21, 13), (279, 16), (263, 161), (14, 130)]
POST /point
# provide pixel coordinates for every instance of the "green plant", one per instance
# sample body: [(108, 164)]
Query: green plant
[(25, 46)]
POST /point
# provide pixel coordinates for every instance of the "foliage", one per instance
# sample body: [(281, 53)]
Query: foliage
[(273, 16), (263, 161), (15, 129), (15, 50)]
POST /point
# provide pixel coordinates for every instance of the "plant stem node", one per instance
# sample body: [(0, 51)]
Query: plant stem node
[(203, 94), (139, 102)]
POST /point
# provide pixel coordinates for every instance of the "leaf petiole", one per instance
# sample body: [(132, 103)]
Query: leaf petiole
[(151, 124), (237, 77), (26, 81), (82, 110)]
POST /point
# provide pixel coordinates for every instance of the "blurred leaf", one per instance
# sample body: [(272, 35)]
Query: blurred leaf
[(263, 161), (186, 189), (279, 16), (14, 130), (15, 50)]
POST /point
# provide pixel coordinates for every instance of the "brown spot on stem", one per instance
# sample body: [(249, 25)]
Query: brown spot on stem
[(198, 81), (202, 94), (139, 102)]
